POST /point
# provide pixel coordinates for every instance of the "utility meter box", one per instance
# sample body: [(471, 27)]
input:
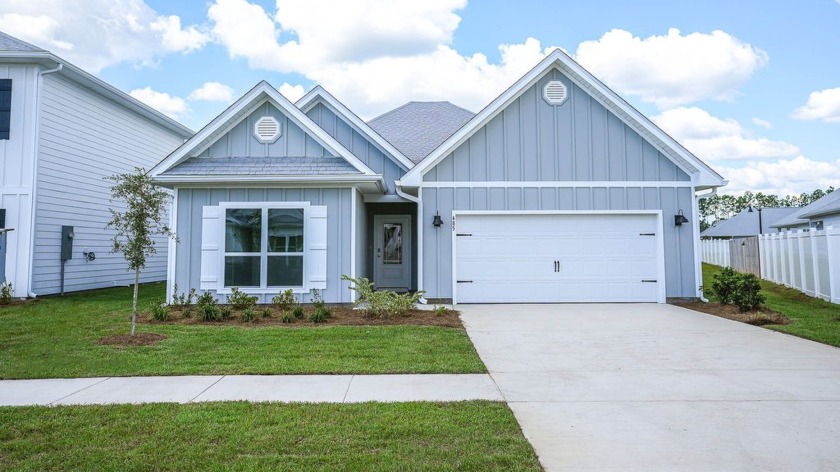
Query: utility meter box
[(67, 237)]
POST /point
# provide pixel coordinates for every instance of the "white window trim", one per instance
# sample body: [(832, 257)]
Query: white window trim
[(265, 206)]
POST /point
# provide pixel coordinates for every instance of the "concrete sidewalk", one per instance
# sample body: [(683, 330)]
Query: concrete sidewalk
[(256, 388)]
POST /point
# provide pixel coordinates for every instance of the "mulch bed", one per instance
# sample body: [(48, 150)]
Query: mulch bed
[(757, 318), (341, 316), (138, 339)]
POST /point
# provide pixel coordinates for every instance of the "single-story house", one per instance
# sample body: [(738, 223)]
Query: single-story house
[(557, 191), (62, 131), (819, 214), (746, 223)]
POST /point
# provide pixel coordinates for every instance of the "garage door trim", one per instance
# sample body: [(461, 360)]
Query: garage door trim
[(660, 240)]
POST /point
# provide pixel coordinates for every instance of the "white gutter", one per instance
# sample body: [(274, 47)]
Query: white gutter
[(35, 140), (698, 269), (412, 198), (399, 190)]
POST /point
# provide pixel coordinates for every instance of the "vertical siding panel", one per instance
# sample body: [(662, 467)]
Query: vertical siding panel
[(431, 242), (531, 199), (650, 162), (478, 155), (496, 149), (497, 199), (479, 198), (600, 141), (512, 139), (514, 199), (581, 127), (633, 151), (548, 199), (617, 199), (461, 163), (599, 199), (635, 199), (617, 158), (446, 169), (529, 143), (566, 199), (583, 199), (564, 138)]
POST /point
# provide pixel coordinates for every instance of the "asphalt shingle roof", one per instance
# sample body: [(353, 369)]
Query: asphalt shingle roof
[(824, 206), (263, 166), (417, 128), (745, 223), (9, 43)]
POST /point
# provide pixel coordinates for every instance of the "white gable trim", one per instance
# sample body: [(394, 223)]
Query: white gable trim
[(680, 156), (320, 95), (263, 92)]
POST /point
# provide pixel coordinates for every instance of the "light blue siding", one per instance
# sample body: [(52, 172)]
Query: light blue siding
[(339, 226), (531, 140), (358, 144), (437, 242), (240, 141)]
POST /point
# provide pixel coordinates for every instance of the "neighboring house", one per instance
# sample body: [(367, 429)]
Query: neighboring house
[(820, 214), (62, 131), (557, 191), (746, 223)]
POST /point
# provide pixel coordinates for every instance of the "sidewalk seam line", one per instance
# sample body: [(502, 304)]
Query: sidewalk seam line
[(79, 390), (344, 399), (206, 389)]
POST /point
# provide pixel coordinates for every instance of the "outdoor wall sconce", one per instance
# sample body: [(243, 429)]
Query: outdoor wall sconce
[(438, 221), (679, 218)]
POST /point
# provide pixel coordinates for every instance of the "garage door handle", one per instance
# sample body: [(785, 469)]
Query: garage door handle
[(649, 280), (556, 266), (465, 281)]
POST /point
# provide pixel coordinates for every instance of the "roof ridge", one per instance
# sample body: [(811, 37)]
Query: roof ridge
[(29, 46)]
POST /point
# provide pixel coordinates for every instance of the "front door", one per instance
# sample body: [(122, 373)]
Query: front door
[(392, 252)]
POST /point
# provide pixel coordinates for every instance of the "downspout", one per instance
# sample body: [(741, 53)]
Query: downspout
[(412, 198), (698, 270), (35, 142)]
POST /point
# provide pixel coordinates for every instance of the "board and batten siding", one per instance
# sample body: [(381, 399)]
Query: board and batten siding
[(83, 138), (17, 164), (579, 140), (355, 142), (190, 202), (437, 242), (241, 142)]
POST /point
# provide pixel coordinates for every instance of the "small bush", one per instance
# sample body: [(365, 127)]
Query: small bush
[(209, 313), (284, 301), (182, 301), (319, 315), (287, 317), (382, 303), (206, 299), (725, 284), (225, 312), (186, 312), (317, 299), (248, 315), (297, 312), (160, 311), (241, 300), (747, 296), (441, 310), (266, 313), (6, 293)]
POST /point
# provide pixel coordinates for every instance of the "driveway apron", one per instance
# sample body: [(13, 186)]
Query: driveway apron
[(658, 387)]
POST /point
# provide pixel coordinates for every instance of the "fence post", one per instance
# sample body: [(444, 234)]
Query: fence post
[(832, 237), (816, 265), (791, 269), (761, 256)]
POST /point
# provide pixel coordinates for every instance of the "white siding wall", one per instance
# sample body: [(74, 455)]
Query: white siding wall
[(84, 138), (16, 169)]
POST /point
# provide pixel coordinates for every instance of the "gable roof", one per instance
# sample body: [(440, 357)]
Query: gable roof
[(745, 223), (15, 50), (826, 205), (703, 175), (417, 128), (261, 93), (320, 95)]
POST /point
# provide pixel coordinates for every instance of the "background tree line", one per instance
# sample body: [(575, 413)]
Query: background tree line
[(721, 207)]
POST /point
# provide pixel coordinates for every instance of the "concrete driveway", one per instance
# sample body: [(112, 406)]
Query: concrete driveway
[(657, 387)]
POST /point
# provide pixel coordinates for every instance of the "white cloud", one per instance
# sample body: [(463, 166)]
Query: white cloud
[(822, 105), (712, 138), (674, 69), (292, 92), (99, 33), (169, 105), (763, 123), (212, 92), (782, 177)]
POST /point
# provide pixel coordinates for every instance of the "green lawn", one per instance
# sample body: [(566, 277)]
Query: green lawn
[(812, 318), (56, 337), (474, 435)]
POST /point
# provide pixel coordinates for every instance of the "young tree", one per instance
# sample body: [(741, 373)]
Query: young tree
[(140, 222)]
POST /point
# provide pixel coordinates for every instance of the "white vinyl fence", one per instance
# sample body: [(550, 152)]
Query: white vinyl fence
[(808, 261), (715, 251)]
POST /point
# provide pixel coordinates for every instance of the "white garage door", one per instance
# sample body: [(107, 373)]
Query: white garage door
[(540, 258)]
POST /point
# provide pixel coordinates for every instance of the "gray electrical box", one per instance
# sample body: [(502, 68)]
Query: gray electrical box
[(67, 237)]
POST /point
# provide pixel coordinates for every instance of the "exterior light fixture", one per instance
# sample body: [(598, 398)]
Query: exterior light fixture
[(437, 222), (679, 218)]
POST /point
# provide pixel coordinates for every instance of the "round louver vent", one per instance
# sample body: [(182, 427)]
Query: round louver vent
[(267, 129), (555, 92)]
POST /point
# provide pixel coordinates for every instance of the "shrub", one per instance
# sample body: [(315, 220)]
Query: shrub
[(160, 311), (441, 310), (206, 299), (6, 293), (225, 312), (382, 303), (186, 312), (284, 301), (248, 315), (288, 317), (209, 312), (266, 313), (297, 312), (319, 315), (725, 284), (747, 296), (317, 299), (182, 301), (241, 300)]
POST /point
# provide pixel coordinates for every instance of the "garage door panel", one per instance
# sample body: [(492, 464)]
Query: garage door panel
[(511, 258)]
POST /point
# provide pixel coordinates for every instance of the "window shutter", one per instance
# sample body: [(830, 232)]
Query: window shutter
[(5, 108), (210, 248), (317, 260)]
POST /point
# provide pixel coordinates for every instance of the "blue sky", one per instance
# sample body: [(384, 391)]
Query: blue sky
[(752, 87)]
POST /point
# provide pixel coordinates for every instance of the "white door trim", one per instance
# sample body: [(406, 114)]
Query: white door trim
[(660, 237)]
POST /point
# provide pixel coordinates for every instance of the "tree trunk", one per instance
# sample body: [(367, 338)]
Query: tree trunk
[(134, 303)]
